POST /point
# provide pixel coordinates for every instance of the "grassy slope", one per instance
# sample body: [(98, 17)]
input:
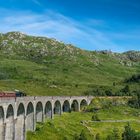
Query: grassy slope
[(39, 79), (65, 70), (68, 125)]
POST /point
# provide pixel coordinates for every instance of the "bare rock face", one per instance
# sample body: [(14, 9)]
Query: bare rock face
[(43, 46), (15, 35), (133, 55)]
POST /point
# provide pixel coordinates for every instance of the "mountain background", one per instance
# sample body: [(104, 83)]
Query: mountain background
[(45, 66)]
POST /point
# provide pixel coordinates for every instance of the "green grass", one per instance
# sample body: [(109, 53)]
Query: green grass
[(66, 125), (59, 77), (69, 124), (104, 128), (42, 66)]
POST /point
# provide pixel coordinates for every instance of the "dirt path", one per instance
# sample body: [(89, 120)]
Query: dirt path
[(84, 123), (88, 128), (111, 121)]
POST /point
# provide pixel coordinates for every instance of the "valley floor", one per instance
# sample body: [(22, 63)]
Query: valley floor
[(70, 125)]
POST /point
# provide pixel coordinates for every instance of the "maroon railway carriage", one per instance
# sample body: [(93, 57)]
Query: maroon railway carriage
[(12, 94), (7, 94)]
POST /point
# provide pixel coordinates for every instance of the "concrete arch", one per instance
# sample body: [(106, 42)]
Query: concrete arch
[(75, 106), (10, 111), (20, 110), (48, 110), (57, 107), (39, 112), (20, 123), (30, 117), (66, 106), (1, 123), (10, 125), (17, 114), (83, 103), (1, 113)]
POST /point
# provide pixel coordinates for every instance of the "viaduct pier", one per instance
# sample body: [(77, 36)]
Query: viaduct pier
[(19, 115)]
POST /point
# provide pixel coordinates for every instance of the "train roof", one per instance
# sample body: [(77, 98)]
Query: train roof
[(7, 92)]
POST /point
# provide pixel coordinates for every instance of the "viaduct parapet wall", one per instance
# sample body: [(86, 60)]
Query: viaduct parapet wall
[(18, 115)]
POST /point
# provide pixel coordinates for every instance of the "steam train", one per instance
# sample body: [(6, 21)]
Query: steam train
[(12, 94)]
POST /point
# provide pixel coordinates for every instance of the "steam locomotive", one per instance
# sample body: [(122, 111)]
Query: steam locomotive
[(11, 94)]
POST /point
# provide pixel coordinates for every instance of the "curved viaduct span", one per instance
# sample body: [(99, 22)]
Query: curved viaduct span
[(18, 115)]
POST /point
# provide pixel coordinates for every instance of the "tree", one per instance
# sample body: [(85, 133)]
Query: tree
[(126, 90), (95, 117), (135, 100), (97, 137), (108, 92), (116, 135), (76, 137), (109, 137), (129, 133), (83, 135)]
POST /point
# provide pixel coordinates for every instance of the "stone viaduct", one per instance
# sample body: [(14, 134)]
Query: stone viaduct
[(18, 115)]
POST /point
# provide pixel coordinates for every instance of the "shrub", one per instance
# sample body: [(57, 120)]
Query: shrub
[(130, 134), (95, 117), (97, 137), (84, 135), (114, 135), (135, 100)]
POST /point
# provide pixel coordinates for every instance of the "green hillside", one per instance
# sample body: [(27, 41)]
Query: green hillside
[(43, 66)]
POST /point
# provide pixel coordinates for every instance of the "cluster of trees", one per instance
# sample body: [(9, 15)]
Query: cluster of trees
[(104, 103), (135, 79), (100, 91), (128, 134), (135, 100)]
